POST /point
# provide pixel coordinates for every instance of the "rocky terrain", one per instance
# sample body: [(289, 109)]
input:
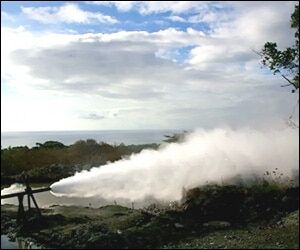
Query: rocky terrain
[(210, 217)]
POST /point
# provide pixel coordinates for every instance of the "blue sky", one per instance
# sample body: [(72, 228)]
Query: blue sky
[(140, 65), (127, 20)]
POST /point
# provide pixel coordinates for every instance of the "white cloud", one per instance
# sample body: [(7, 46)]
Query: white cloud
[(68, 13), (120, 5), (210, 17), (176, 19), (93, 116), (250, 26), (99, 74), (150, 7), (7, 16)]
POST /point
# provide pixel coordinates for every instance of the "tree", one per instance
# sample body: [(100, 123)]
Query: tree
[(50, 145), (285, 62), (176, 137)]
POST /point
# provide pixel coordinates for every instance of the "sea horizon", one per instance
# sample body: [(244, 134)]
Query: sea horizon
[(68, 137)]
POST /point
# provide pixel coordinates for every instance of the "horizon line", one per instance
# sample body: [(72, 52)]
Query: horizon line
[(88, 130)]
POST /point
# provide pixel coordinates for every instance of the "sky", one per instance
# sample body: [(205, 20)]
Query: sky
[(93, 65)]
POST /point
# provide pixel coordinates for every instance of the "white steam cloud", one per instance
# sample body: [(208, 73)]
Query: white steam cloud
[(214, 156)]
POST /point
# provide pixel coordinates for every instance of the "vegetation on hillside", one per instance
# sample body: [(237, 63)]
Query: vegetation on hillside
[(53, 160)]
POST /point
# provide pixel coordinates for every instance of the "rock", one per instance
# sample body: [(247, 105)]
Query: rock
[(217, 224), (178, 225)]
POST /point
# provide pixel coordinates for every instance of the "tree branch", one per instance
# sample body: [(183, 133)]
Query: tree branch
[(285, 85), (278, 71), (256, 52), (290, 82)]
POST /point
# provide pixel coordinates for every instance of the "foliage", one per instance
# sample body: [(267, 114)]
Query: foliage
[(50, 145), (239, 203), (129, 149), (176, 137), (284, 62), (53, 160)]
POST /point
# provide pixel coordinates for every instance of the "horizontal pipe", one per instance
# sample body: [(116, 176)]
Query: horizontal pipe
[(25, 192)]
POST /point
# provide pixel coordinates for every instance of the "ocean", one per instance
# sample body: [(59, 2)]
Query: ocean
[(69, 137)]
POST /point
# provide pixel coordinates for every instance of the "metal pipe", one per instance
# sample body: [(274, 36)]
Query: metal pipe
[(25, 192)]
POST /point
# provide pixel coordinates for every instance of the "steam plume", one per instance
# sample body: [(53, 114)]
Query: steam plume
[(213, 156)]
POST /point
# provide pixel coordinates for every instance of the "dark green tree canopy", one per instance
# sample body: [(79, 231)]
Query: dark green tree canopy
[(285, 62)]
